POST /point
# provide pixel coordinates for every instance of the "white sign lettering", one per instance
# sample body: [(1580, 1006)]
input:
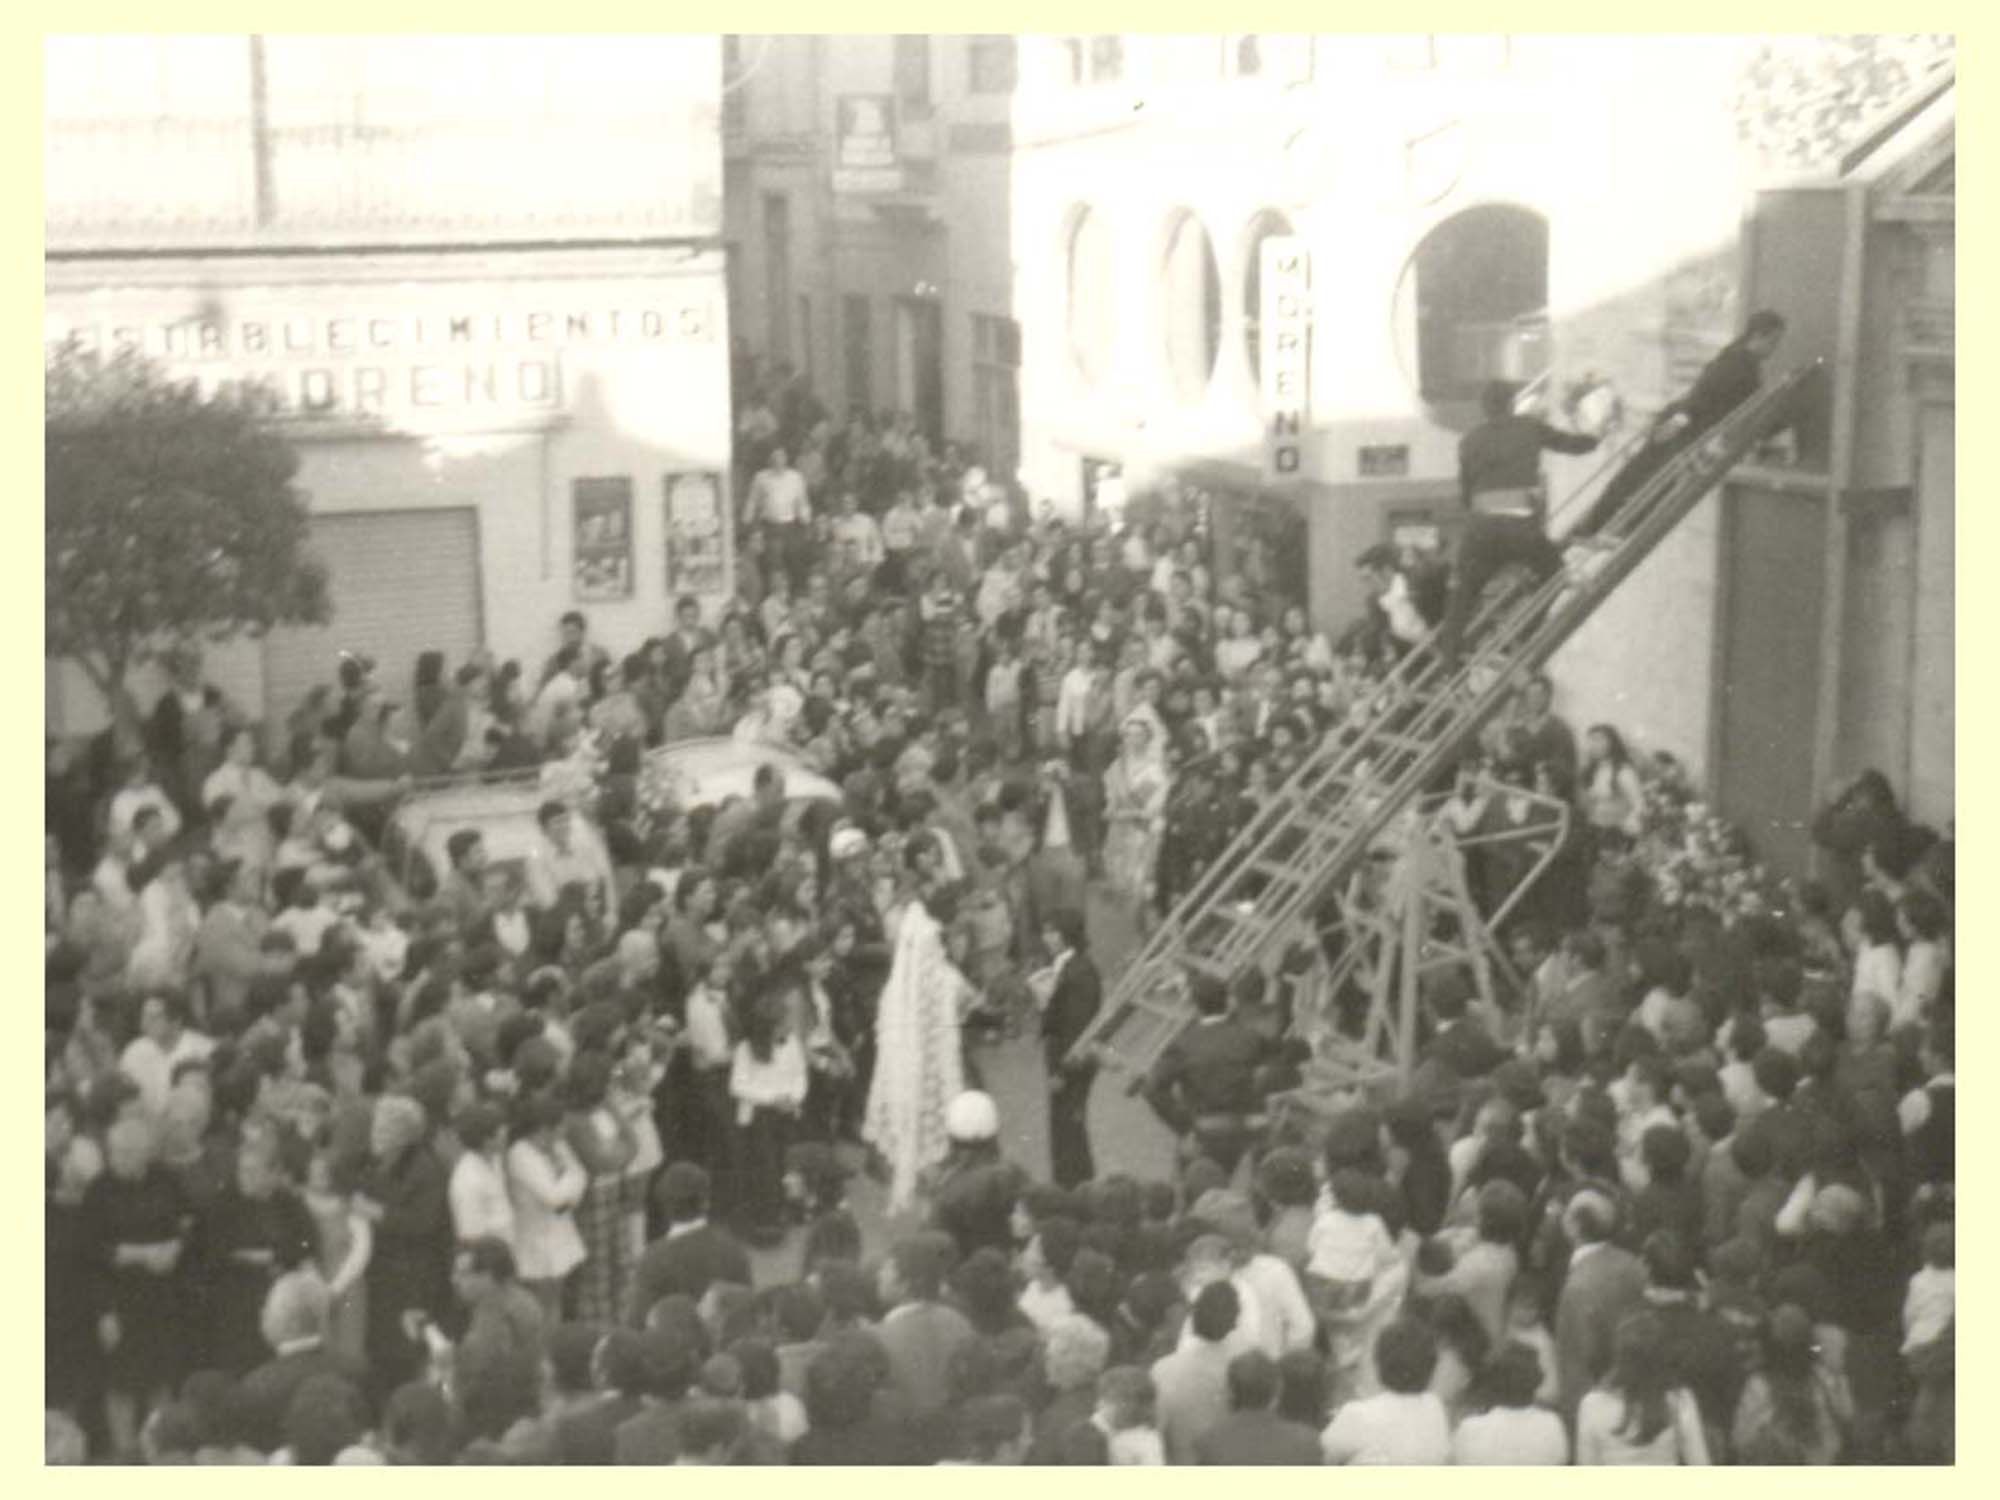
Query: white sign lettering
[(1285, 325), (380, 363)]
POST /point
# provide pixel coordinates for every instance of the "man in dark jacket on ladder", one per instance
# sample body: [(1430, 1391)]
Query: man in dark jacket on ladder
[(1725, 383), (1500, 482)]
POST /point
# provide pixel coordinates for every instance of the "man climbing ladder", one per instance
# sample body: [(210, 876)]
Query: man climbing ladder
[(1500, 483), (1725, 383)]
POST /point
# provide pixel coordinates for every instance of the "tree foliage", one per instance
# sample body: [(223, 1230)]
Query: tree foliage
[(170, 517), (1804, 99)]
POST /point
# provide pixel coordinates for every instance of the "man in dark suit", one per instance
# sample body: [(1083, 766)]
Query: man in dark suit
[(1462, 1041), (692, 1255), (588, 1436), (1500, 483), (850, 1427), (1072, 1004), (1537, 733), (681, 644), (1699, 1343), (1204, 1087), (652, 1436), (295, 1313), (1725, 383), (920, 1333), (1605, 1282), (1253, 1433)]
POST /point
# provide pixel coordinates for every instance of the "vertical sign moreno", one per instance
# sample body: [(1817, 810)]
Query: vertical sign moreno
[(1284, 331)]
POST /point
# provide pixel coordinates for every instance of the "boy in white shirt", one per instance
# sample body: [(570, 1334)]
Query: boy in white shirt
[(1406, 1422)]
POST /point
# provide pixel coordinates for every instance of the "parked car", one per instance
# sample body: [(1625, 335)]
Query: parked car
[(714, 770), (504, 809)]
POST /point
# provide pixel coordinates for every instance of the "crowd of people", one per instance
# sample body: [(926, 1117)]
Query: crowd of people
[(561, 1164)]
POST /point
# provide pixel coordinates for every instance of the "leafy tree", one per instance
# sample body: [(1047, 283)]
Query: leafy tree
[(1803, 100), (170, 517)]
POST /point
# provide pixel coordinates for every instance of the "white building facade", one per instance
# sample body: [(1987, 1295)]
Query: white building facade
[(1470, 207), (481, 280)]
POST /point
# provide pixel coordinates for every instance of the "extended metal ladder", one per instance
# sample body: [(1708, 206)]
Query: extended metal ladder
[(1323, 822)]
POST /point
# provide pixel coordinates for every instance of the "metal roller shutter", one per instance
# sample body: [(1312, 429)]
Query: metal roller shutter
[(402, 582)]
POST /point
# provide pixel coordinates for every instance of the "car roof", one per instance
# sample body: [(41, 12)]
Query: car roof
[(718, 769), (505, 812)]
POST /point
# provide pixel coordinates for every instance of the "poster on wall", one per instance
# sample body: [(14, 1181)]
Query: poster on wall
[(697, 558), (601, 553)]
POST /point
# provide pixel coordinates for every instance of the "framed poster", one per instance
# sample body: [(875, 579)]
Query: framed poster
[(697, 555), (601, 547)]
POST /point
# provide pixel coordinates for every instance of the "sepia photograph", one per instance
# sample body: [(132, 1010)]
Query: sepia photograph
[(999, 749)]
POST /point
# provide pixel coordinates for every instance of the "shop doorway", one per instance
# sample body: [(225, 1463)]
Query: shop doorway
[(400, 582), (920, 365)]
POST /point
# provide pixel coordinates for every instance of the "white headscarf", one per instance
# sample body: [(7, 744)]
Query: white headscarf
[(1154, 757)]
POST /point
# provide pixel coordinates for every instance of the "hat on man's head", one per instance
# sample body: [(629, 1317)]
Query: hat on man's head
[(847, 842)]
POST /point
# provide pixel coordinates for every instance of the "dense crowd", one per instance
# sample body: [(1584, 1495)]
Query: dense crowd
[(553, 1164)]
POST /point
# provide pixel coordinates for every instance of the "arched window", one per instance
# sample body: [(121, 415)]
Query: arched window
[(1266, 225), (1089, 295), (1192, 290), (1472, 305)]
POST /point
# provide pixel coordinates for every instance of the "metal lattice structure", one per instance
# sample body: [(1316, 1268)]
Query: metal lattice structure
[(1369, 778)]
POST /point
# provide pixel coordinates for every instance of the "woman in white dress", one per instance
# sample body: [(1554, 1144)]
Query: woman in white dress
[(169, 921), (1135, 810), (919, 1065)]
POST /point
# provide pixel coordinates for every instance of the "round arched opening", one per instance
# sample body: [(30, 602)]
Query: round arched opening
[(1088, 288), (1472, 306), (1191, 289)]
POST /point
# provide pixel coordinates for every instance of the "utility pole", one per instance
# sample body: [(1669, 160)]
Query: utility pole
[(264, 191), (826, 114)]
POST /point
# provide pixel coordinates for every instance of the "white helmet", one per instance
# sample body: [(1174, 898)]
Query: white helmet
[(972, 1117)]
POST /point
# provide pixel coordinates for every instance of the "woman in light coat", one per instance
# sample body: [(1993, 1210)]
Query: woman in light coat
[(547, 1182)]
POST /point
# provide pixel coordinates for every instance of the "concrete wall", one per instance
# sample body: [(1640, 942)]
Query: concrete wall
[(1877, 646), (1933, 712)]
